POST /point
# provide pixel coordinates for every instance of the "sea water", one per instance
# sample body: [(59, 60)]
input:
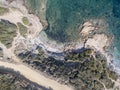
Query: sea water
[(65, 16)]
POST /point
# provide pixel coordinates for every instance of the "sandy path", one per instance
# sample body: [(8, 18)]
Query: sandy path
[(35, 76)]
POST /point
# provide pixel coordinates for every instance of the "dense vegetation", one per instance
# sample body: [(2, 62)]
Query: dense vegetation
[(3, 10), (7, 32), (84, 71)]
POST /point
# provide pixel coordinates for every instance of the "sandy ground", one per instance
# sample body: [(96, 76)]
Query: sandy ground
[(35, 76)]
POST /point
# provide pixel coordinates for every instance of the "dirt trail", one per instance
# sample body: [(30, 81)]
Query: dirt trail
[(34, 76)]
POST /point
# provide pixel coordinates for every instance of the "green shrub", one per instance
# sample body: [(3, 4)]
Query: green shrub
[(25, 20), (3, 10), (7, 32), (22, 29)]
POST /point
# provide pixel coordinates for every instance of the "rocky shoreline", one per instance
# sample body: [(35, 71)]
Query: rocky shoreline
[(54, 55)]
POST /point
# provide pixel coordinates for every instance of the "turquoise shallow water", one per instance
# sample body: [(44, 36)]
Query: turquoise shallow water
[(65, 16)]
